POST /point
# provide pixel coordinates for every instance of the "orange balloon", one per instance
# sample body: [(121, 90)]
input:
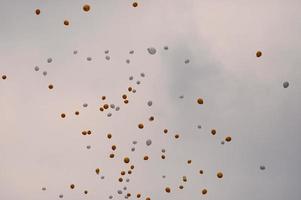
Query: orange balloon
[(258, 54), (219, 175), (66, 23), (86, 7), (167, 189), (126, 160), (38, 11), (135, 4)]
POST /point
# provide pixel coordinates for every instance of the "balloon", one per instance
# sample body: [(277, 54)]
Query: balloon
[(49, 60), (37, 11), (86, 7), (200, 101), (66, 23), (285, 84), (148, 142), (151, 50), (258, 54), (219, 175), (126, 160), (135, 4)]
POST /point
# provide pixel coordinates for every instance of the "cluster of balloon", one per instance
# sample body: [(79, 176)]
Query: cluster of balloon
[(108, 107)]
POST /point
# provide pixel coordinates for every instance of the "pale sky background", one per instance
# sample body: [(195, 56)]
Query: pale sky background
[(243, 97)]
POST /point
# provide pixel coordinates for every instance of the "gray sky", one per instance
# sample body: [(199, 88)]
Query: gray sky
[(243, 97)]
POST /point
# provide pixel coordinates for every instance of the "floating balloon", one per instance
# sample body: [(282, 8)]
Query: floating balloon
[(66, 23), (151, 50), (228, 139), (187, 61), (148, 142), (135, 4), (258, 54), (285, 84), (200, 101), (86, 7), (149, 103), (37, 11), (151, 118), (49, 60), (219, 175), (141, 126), (126, 160)]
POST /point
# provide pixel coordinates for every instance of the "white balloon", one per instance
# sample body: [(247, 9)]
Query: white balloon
[(285, 84), (49, 60), (149, 103), (151, 50), (148, 142)]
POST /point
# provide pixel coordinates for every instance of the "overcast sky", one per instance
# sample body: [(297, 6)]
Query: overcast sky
[(243, 98)]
